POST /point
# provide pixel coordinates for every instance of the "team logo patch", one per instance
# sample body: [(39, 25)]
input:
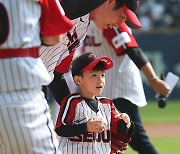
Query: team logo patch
[(92, 56)]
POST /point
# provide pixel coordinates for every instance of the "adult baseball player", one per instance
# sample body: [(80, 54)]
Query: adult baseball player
[(124, 81), (26, 125), (104, 13)]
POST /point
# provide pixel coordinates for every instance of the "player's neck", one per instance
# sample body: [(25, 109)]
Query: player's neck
[(91, 15), (87, 96)]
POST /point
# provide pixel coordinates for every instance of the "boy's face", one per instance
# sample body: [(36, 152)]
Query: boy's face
[(91, 84), (106, 16)]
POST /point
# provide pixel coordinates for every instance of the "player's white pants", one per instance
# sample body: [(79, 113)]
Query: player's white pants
[(26, 126)]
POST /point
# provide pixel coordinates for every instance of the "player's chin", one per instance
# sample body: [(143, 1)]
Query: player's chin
[(100, 26), (98, 91)]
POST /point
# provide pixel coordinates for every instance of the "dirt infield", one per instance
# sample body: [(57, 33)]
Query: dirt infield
[(163, 130)]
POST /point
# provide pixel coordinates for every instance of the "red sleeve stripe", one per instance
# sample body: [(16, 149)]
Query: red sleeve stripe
[(68, 110), (62, 108)]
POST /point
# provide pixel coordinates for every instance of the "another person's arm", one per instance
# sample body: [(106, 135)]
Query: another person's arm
[(142, 62), (53, 22), (59, 87), (132, 49)]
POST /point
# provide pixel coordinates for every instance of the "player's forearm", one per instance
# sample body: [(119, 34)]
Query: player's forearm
[(59, 87), (148, 71), (137, 56), (71, 130), (141, 61), (158, 85)]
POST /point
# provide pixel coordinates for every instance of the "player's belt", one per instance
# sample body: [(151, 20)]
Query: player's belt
[(20, 52)]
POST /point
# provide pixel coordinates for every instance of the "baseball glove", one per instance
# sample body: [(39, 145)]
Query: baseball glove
[(119, 142)]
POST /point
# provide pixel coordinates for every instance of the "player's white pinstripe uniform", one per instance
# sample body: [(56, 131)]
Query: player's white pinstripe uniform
[(53, 55), (17, 12), (74, 110), (26, 126), (124, 71)]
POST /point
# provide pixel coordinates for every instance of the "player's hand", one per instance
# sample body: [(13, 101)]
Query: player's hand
[(124, 117), (160, 87), (96, 126)]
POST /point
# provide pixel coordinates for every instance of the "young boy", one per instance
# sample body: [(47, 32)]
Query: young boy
[(85, 121)]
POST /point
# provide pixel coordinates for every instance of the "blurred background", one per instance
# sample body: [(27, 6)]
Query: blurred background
[(158, 14), (160, 39)]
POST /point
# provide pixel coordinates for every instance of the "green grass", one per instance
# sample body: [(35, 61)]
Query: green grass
[(170, 114), (153, 114), (167, 145)]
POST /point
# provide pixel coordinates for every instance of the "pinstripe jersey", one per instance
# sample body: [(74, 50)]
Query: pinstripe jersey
[(24, 112), (22, 30), (75, 110), (126, 77), (19, 28), (24, 72), (53, 55)]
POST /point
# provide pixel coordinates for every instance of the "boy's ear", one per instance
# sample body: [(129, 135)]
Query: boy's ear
[(77, 79), (109, 2)]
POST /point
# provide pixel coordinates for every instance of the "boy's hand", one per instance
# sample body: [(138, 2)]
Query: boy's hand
[(124, 117), (95, 126)]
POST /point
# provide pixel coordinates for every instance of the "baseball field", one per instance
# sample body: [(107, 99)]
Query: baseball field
[(162, 126)]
